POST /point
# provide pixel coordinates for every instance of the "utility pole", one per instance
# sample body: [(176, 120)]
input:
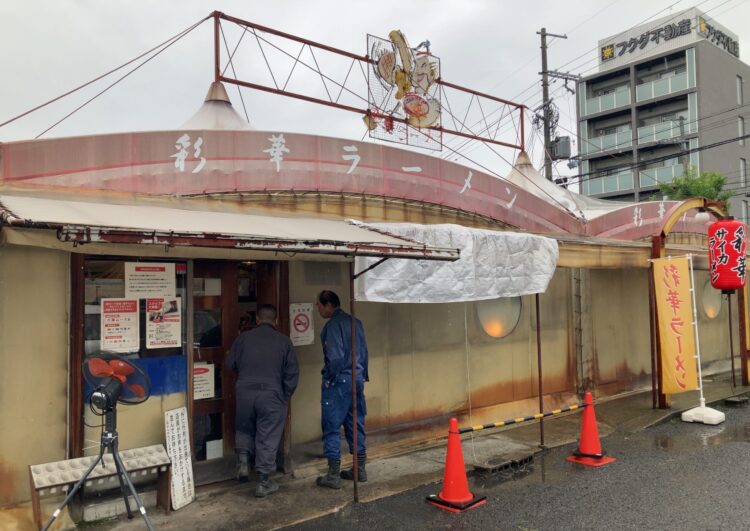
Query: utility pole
[(545, 102)]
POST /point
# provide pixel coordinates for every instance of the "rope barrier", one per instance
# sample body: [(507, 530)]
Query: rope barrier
[(522, 419)]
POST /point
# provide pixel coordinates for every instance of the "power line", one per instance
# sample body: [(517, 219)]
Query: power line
[(634, 166), (171, 40)]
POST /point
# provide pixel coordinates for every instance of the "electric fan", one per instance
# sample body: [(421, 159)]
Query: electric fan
[(113, 379)]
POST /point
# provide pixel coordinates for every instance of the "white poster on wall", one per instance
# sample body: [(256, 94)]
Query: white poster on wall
[(301, 329), (178, 449), (119, 330), (149, 279), (163, 323), (203, 380)]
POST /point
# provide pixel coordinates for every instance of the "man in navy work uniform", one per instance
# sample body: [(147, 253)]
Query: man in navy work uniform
[(336, 392), (267, 375)]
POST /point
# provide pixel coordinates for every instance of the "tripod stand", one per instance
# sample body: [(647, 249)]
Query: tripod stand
[(108, 441)]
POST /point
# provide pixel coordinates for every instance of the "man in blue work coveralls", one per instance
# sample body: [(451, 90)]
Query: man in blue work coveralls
[(336, 392), (267, 375)]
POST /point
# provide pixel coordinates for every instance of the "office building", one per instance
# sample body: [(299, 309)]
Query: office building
[(665, 93)]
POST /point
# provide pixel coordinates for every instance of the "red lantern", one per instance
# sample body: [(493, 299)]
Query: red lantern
[(726, 254)]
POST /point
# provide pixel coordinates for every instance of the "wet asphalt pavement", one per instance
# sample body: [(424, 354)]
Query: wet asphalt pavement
[(676, 475)]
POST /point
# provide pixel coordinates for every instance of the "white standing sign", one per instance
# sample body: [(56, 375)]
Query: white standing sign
[(301, 331), (163, 323), (149, 279), (119, 325), (178, 448)]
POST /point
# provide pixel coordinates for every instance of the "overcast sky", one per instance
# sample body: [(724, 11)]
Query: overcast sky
[(49, 47)]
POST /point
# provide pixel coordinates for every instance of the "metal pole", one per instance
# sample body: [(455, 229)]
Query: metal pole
[(742, 329), (539, 369), (731, 341), (355, 461), (217, 70), (697, 337), (657, 251), (545, 107), (653, 332)]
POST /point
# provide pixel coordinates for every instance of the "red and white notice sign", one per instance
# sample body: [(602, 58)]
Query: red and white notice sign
[(301, 331), (149, 279), (163, 323), (119, 325)]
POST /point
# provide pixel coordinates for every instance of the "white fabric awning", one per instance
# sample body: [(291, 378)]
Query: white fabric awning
[(493, 264), (162, 223)]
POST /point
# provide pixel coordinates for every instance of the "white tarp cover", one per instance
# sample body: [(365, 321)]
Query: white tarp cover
[(493, 264)]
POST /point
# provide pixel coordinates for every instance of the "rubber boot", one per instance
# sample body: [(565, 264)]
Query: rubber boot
[(265, 486), (243, 465), (361, 472), (332, 479)]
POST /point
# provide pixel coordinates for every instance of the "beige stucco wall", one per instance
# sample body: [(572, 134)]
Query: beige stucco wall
[(619, 316), (619, 320), (33, 363), (429, 361)]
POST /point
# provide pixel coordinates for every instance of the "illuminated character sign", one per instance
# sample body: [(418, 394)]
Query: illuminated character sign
[(411, 74)]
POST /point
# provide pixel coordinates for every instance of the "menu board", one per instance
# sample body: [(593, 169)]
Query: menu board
[(163, 323), (178, 449), (119, 325)]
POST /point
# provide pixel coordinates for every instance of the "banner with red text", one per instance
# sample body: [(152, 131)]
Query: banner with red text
[(674, 307), (119, 325)]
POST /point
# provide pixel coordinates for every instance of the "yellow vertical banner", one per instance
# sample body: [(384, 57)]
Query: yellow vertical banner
[(676, 333)]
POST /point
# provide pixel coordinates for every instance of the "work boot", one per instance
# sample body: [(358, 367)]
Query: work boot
[(332, 480), (243, 465), (361, 472), (265, 486)]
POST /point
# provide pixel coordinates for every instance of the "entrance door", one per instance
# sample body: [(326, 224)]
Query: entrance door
[(215, 327), (226, 296)]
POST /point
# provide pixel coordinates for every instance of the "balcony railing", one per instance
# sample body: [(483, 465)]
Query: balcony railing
[(663, 131), (661, 87), (619, 140), (656, 176), (616, 182), (619, 98)]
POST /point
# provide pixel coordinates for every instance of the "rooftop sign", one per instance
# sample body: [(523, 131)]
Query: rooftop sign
[(660, 36)]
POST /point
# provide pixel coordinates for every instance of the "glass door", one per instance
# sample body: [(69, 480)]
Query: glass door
[(215, 327)]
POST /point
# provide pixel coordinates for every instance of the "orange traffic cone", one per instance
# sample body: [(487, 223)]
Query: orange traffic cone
[(589, 451), (455, 496)]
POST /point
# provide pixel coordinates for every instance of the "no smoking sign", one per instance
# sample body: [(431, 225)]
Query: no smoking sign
[(302, 332), (301, 323)]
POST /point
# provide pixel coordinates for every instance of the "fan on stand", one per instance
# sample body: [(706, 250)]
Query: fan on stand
[(113, 379)]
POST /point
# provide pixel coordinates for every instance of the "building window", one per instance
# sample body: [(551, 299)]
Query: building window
[(740, 90), (741, 130), (743, 173), (744, 212)]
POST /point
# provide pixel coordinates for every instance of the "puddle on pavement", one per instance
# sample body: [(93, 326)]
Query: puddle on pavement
[(550, 466), (705, 435), (546, 467)]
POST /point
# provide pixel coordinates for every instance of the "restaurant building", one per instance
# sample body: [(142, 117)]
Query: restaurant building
[(215, 218)]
